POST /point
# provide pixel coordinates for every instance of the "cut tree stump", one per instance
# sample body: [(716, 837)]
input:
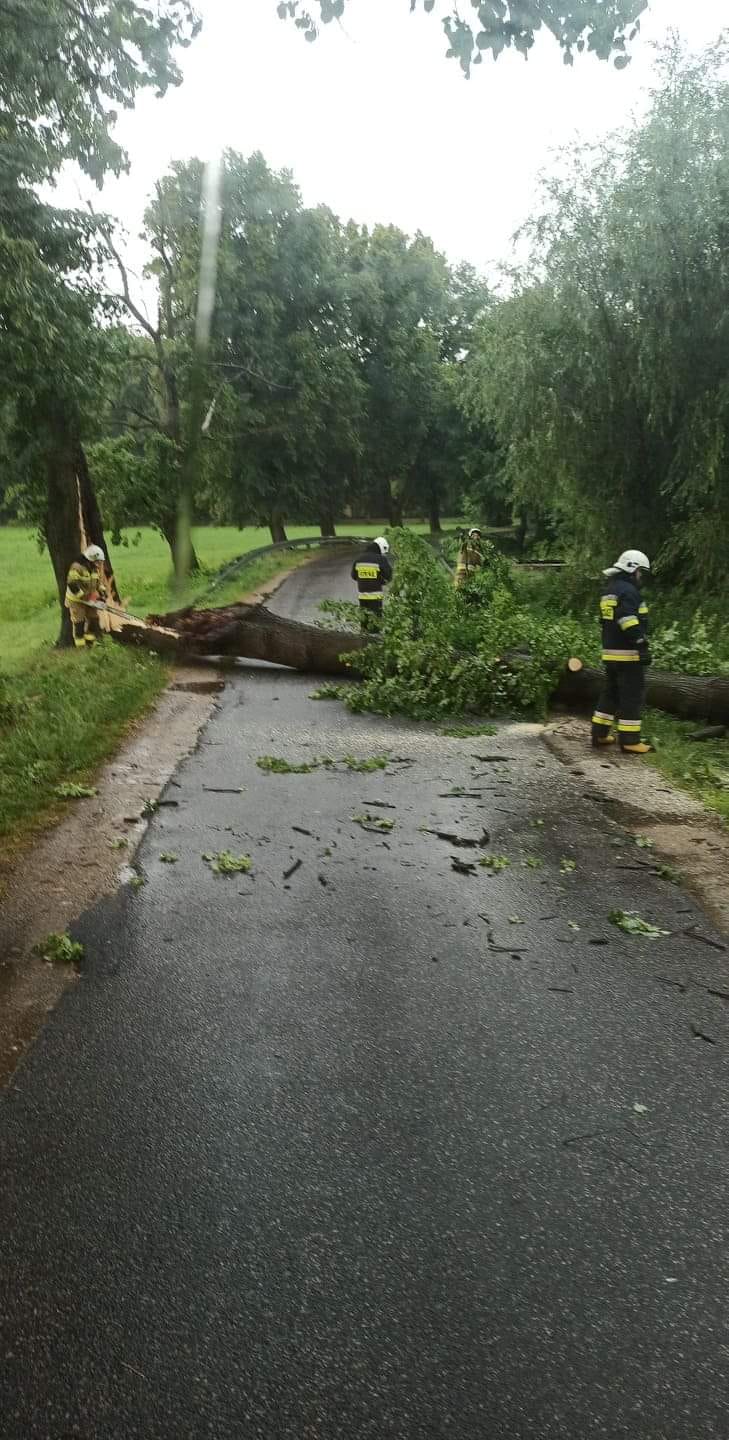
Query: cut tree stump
[(691, 697)]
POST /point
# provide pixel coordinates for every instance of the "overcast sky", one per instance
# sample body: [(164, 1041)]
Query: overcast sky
[(376, 123)]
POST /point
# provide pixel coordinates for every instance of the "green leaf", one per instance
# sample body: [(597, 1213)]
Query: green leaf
[(494, 862), (632, 923), (275, 765), (71, 791), (224, 863), (59, 949)]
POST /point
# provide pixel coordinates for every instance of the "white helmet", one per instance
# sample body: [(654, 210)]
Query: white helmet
[(475, 530), (382, 544), (628, 563), (95, 554)]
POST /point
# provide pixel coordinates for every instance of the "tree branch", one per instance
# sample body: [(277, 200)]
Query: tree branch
[(125, 296)]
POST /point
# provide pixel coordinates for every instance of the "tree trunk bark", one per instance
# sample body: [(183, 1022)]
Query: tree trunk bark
[(250, 631), (434, 514), (327, 526), (170, 531), (72, 519), (395, 509), (278, 529), (691, 697)]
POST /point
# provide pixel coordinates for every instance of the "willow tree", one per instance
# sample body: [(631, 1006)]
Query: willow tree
[(606, 373)]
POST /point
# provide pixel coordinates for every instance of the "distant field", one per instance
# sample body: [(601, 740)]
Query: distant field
[(28, 601)]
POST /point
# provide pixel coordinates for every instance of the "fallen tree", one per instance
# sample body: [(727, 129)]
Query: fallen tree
[(253, 632), (249, 631), (691, 697)]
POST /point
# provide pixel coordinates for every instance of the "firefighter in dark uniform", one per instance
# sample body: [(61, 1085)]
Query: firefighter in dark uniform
[(625, 655), (372, 571)]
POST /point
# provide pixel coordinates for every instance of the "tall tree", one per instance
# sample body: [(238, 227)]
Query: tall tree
[(399, 291), (606, 374), (64, 67)]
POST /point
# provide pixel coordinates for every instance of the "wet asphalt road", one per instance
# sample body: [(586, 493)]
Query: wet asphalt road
[(380, 1149)]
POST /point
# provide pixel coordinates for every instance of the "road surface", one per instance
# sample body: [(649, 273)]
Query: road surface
[(381, 1149)]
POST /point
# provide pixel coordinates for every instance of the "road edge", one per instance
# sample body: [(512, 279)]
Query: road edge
[(53, 878), (683, 834)]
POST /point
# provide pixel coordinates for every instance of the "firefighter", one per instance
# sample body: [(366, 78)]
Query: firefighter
[(372, 571), (470, 557), (86, 581), (625, 655)]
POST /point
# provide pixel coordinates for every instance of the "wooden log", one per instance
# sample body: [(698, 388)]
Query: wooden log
[(691, 697), (249, 631)]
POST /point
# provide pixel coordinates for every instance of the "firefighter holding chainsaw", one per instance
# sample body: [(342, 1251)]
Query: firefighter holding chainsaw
[(86, 582)]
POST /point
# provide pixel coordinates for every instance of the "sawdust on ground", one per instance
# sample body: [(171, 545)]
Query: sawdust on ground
[(684, 834)]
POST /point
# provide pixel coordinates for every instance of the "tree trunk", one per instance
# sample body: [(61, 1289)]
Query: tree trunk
[(72, 519), (278, 529), (251, 631), (395, 509), (691, 697), (434, 513), (170, 531), (327, 525), (521, 532)]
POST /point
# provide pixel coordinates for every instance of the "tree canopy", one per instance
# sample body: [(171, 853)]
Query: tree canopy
[(603, 27), (605, 374), (65, 65)]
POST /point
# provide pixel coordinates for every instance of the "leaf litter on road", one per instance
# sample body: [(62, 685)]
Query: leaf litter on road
[(378, 823), (634, 924), (494, 862), (225, 863)]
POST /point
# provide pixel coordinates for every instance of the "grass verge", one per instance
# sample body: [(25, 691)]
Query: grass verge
[(700, 767), (59, 718)]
